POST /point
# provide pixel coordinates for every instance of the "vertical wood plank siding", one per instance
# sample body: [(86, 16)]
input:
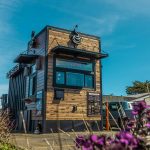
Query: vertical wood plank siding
[(16, 93)]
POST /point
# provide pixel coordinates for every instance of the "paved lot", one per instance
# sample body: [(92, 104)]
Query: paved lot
[(52, 141)]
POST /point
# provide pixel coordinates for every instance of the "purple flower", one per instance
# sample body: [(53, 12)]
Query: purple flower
[(124, 141), (139, 107), (94, 138), (128, 135), (130, 125), (148, 125), (87, 145), (80, 140), (101, 141), (134, 112)]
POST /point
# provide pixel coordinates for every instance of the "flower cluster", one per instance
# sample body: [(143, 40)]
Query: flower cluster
[(131, 138), (141, 124), (139, 107), (122, 141)]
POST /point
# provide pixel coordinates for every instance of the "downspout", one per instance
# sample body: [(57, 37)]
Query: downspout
[(45, 83)]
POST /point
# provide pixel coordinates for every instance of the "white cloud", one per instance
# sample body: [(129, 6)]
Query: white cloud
[(101, 23), (108, 24), (131, 7)]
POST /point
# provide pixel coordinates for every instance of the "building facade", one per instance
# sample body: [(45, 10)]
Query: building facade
[(57, 81)]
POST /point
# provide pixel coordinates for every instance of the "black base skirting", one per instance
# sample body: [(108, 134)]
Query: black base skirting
[(68, 125)]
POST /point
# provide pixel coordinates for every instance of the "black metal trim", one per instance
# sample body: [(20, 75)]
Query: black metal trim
[(30, 58), (78, 52), (69, 31), (55, 69), (45, 79), (55, 96), (101, 92)]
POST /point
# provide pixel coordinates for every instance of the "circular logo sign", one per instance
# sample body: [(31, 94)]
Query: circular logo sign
[(75, 37)]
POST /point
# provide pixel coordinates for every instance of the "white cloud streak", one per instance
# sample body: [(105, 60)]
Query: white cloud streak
[(132, 7)]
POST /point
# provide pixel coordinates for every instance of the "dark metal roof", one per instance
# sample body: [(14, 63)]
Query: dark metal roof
[(25, 58), (78, 52)]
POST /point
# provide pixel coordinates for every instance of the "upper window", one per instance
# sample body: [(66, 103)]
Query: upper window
[(78, 65), (73, 73)]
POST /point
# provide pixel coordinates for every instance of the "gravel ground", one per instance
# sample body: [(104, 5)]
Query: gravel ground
[(51, 141)]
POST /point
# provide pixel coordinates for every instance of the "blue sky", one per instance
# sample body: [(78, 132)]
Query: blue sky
[(123, 26)]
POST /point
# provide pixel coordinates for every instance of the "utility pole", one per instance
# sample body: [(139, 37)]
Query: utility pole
[(107, 116)]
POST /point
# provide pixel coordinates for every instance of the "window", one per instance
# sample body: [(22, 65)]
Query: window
[(58, 94), (32, 81), (74, 79), (39, 97), (32, 85), (78, 65), (60, 77), (73, 73), (33, 69), (88, 81)]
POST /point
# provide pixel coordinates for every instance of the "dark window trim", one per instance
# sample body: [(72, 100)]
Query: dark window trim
[(32, 75), (55, 69), (72, 58), (55, 98)]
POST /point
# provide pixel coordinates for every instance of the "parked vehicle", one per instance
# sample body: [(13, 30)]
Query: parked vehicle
[(119, 110)]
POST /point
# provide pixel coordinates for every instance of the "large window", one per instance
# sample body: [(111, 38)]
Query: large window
[(73, 73)]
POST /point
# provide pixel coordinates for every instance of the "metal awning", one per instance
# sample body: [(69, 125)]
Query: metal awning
[(78, 52), (25, 58)]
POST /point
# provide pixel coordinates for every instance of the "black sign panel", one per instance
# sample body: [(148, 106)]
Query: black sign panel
[(93, 104)]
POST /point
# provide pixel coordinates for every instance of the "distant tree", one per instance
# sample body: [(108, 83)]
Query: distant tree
[(138, 87)]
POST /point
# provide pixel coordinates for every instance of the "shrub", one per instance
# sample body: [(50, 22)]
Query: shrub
[(5, 126)]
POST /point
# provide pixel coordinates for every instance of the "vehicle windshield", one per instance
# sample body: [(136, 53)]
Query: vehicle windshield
[(113, 106), (126, 105)]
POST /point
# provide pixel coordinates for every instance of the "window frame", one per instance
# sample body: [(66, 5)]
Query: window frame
[(65, 70), (55, 94), (31, 76)]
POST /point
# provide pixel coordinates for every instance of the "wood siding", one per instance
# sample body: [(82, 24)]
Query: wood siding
[(62, 110)]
